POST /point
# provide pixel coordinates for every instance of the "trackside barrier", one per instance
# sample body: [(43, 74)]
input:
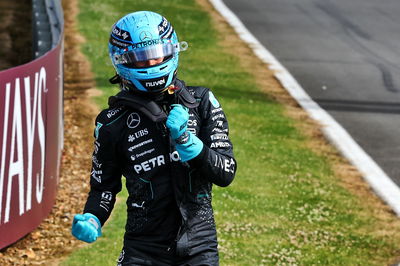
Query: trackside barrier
[(31, 129), (47, 25)]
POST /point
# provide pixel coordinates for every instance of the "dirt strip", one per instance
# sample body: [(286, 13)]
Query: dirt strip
[(52, 239)]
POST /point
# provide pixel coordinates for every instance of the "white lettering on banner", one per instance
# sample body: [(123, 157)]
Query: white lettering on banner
[(41, 133), (149, 164), (3, 150), (35, 133), (30, 131), (228, 165), (16, 168)]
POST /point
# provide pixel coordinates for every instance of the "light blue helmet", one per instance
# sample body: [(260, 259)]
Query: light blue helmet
[(143, 36)]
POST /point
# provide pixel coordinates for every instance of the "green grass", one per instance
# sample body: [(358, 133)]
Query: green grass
[(285, 206)]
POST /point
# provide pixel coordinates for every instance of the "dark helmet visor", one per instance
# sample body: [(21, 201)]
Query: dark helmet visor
[(148, 52)]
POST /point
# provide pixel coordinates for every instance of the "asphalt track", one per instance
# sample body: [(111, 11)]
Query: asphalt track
[(346, 55)]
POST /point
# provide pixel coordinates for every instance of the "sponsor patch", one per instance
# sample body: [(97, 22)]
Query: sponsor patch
[(193, 130), (213, 100), (96, 174), (96, 131), (174, 157), (140, 144), (121, 256), (96, 147), (149, 164), (192, 123), (96, 162), (113, 112), (165, 28), (215, 117), (146, 43), (105, 201), (144, 153), (133, 120), (220, 145), (137, 205), (219, 136), (216, 110), (131, 138), (228, 165)]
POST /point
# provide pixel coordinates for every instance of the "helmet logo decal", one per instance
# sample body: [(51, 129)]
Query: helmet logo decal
[(145, 35), (155, 83), (146, 43), (163, 26), (121, 34), (133, 120)]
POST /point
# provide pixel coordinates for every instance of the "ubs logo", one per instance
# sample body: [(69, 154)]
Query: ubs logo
[(133, 120), (145, 35)]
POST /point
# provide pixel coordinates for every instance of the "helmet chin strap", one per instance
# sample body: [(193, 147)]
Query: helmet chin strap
[(128, 86), (176, 92)]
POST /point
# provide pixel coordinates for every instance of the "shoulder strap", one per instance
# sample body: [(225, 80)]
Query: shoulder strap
[(142, 104), (184, 96)]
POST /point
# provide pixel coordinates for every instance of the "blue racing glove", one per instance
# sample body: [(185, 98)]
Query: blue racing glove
[(86, 227), (188, 145)]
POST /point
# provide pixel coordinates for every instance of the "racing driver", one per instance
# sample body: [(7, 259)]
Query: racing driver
[(169, 140)]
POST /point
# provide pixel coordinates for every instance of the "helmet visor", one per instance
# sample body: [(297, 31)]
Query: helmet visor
[(155, 51)]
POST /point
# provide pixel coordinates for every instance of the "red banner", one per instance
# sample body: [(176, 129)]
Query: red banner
[(31, 138)]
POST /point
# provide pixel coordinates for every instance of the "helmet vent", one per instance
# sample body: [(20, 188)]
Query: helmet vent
[(142, 72)]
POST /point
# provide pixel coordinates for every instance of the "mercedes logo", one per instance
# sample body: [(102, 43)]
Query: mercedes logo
[(145, 35), (133, 120)]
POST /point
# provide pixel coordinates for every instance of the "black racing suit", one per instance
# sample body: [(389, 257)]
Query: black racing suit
[(170, 217)]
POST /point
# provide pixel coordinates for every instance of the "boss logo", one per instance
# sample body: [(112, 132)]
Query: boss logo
[(113, 112)]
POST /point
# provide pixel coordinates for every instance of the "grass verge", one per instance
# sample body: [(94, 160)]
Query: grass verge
[(286, 206)]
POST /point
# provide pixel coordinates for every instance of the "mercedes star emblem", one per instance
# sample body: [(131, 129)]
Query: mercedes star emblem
[(133, 120)]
